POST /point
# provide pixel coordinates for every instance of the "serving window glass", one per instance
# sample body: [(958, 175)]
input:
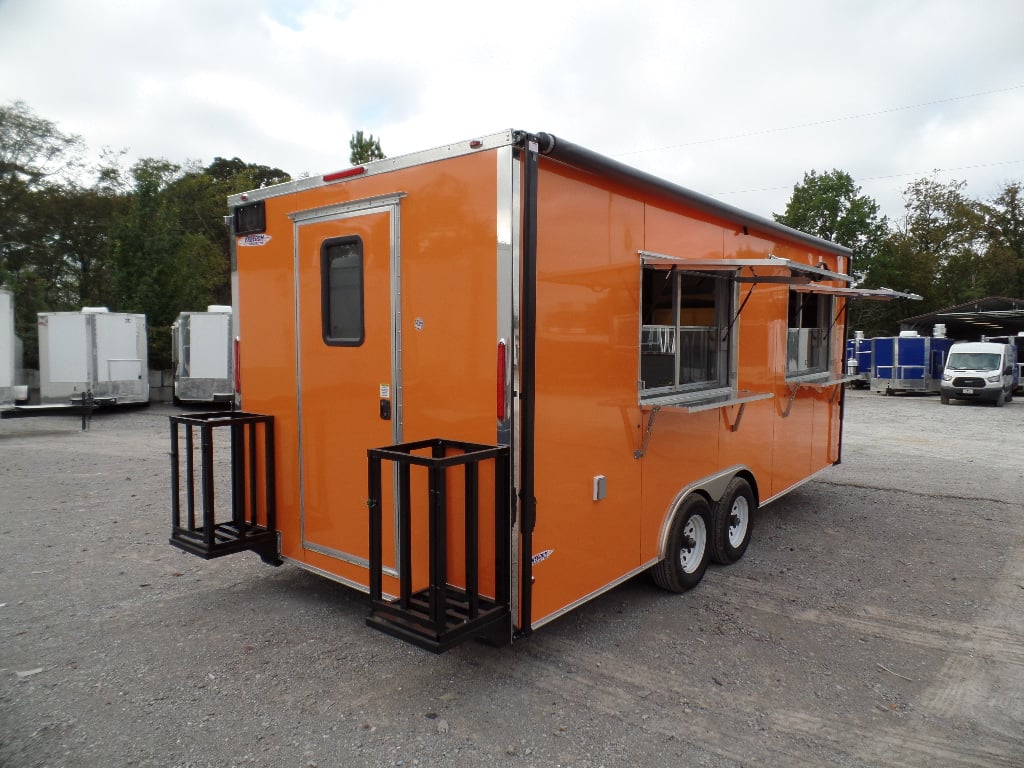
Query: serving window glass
[(686, 336)]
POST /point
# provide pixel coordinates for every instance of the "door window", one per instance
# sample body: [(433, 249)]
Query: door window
[(341, 272)]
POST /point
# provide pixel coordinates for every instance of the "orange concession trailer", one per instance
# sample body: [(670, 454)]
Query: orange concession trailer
[(487, 382)]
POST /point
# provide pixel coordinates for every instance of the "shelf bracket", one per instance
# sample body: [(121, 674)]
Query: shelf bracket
[(739, 415), (792, 396), (639, 454)]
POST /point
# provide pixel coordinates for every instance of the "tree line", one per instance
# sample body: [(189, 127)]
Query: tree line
[(946, 247), (150, 238)]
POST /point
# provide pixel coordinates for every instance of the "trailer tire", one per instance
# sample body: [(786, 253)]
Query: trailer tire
[(687, 553), (731, 522)]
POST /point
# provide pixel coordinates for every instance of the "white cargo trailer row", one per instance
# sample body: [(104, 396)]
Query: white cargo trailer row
[(202, 352), (101, 357), (93, 353)]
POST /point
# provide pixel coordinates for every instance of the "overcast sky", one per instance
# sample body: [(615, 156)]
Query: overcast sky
[(732, 98)]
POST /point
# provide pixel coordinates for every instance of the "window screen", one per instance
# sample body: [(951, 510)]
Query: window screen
[(341, 269), (807, 338)]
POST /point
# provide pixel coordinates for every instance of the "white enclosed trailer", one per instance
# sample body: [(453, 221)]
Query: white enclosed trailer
[(202, 355), (8, 344), (93, 353)]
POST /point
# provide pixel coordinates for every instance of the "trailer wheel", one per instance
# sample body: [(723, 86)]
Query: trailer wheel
[(687, 554), (731, 522)]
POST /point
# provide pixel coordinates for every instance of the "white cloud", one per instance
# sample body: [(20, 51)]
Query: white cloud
[(696, 92)]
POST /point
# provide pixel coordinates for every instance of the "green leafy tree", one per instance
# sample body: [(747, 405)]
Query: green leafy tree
[(36, 159), (364, 149), (172, 249), (934, 250), (238, 176), (146, 240), (1002, 264), (200, 198), (831, 206), (939, 242)]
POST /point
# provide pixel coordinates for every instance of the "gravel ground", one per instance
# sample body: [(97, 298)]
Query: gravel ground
[(877, 619)]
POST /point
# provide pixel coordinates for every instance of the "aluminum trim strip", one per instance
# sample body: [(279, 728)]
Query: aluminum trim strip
[(389, 204), (397, 400), (516, 215), (457, 149), (334, 577), (507, 243), (597, 593), (348, 208), (795, 485), (298, 382)]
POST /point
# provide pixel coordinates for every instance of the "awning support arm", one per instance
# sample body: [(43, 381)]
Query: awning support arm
[(840, 313), (736, 317)]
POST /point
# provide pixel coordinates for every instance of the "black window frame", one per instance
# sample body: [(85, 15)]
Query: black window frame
[(326, 294)]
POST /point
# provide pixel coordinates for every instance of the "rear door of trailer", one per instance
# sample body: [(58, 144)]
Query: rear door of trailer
[(209, 336), (119, 343), (396, 316), (65, 351), (347, 265)]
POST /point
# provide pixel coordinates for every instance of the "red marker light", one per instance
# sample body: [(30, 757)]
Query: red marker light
[(475, 144), (238, 375), (501, 380), (359, 170)]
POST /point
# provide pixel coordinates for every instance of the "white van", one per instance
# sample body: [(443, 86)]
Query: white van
[(979, 370)]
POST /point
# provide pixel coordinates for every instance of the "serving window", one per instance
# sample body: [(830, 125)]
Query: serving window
[(686, 336), (809, 333)]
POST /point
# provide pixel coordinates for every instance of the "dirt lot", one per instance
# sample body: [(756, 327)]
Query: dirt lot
[(877, 619)]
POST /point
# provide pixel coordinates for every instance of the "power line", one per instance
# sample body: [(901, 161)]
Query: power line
[(918, 174), (820, 122)]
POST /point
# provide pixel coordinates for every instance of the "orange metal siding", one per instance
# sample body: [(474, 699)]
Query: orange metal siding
[(448, 329), (588, 421), (587, 415)]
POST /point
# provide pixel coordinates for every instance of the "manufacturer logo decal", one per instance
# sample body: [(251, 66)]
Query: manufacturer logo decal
[(254, 240), (540, 557)]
